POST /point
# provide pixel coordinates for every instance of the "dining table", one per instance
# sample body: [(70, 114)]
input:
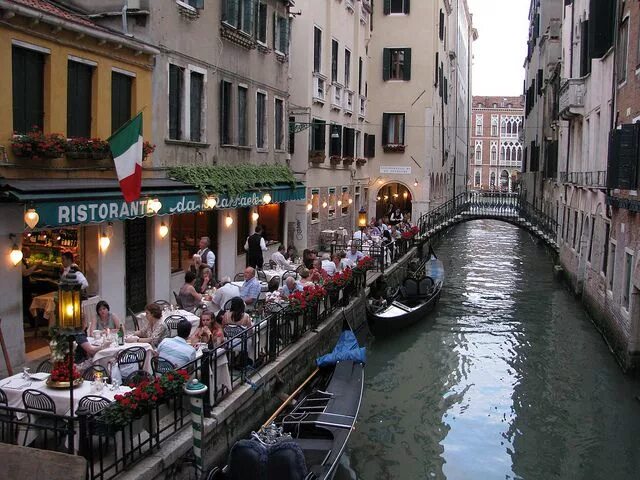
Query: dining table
[(109, 354), (45, 302)]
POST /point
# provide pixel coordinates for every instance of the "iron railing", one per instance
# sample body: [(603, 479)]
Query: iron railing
[(586, 179), (383, 255)]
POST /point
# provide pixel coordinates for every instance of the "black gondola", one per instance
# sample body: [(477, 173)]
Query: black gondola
[(307, 435), (411, 303)]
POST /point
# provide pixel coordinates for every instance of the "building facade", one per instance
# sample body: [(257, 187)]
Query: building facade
[(495, 161)]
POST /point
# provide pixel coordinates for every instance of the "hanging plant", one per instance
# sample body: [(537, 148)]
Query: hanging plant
[(232, 180)]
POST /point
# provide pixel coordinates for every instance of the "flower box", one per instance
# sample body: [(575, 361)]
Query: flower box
[(361, 161), (87, 155), (36, 144), (391, 148), (317, 157), (347, 160), (335, 159)]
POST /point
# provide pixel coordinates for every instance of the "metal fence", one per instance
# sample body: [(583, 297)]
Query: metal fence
[(383, 255), (587, 179)]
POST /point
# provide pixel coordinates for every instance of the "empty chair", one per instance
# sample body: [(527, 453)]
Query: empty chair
[(172, 324), (90, 373), (239, 277), (274, 283), (135, 378), (178, 301), (162, 303), (161, 365), (92, 404), (36, 402), (131, 359), (45, 367), (134, 319)]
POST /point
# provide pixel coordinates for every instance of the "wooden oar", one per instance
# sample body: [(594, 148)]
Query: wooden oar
[(288, 400)]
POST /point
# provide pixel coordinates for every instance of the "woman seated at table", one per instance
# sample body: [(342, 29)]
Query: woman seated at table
[(155, 330), (305, 277), (105, 319), (318, 274), (205, 281), (236, 314), (209, 331), (188, 296), (308, 256)]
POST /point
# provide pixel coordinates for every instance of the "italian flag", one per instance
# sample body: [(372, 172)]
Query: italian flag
[(126, 148)]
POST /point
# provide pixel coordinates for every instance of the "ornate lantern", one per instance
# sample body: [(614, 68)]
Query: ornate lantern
[(362, 218), (69, 303)]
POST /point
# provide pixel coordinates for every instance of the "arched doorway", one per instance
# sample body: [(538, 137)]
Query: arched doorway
[(392, 196), (504, 180)]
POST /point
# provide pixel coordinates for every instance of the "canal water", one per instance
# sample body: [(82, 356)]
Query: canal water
[(507, 379)]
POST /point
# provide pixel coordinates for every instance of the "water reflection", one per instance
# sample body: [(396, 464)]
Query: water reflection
[(508, 379)]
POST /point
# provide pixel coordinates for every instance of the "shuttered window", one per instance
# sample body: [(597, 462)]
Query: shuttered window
[(585, 59), (349, 142), (335, 143), (334, 61), (279, 124), (396, 64), (292, 136), (243, 134), (441, 25), (240, 14), (79, 99), (225, 113), (624, 156), (396, 6), (621, 54), (281, 34), (176, 88), (196, 106), (28, 89), (261, 120), (317, 50), (360, 65), (120, 99), (393, 129), (347, 68), (318, 135), (261, 23), (369, 145)]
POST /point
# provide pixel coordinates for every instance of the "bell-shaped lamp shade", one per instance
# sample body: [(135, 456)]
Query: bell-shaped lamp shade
[(210, 202), (31, 217), (228, 221), (16, 255), (266, 198), (255, 216), (362, 218), (163, 230), (105, 241)]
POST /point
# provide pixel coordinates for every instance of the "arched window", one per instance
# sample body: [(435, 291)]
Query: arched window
[(494, 153), (493, 179), (478, 178), (479, 152)]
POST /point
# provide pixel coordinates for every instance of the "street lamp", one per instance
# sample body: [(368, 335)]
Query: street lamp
[(362, 224)]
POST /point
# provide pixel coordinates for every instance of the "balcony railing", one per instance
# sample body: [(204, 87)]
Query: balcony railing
[(362, 106), (319, 88), (585, 179), (572, 93), (336, 96), (348, 101)]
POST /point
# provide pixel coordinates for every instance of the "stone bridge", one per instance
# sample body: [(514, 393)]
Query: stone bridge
[(506, 207)]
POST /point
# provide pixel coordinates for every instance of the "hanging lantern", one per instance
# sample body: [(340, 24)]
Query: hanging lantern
[(104, 241), (16, 254), (228, 221), (339, 203), (31, 217), (163, 230), (324, 203), (153, 205), (350, 200), (309, 206), (362, 218), (69, 303), (210, 202), (255, 216), (266, 198)]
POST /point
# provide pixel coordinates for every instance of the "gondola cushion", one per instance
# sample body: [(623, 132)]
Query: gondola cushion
[(251, 459)]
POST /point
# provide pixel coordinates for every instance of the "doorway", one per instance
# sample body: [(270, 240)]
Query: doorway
[(392, 196)]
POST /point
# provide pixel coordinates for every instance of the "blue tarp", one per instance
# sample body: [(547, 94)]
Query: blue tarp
[(347, 348)]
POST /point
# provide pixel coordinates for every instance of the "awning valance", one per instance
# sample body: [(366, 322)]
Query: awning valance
[(85, 201)]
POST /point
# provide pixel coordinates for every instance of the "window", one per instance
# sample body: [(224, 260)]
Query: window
[(281, 34), (396, 6), (626, 287), (225, 112), (441, 26), (186, 230), (575, 228), (396, 64), (28, 89), (243, 228), (271, 218), (261, 24), (120, 99), (199, 4), (360, 66), (593, 224), (279, 124), (335, 142), (621, 54), (315, 205), (369, 145), (334, 61), (344, 199), (393, 128), (240, 14), (317, 50), (605, 256), (332, 203), (292, 136), (196, 106), (349, 142), (261, 120), (478, 152), (494, 125), (478, 179), (612, 265), (79, 77), (347, 68), (318, 135), (175, 101), (243, 131), (493, 159), (479, 121), (358, 144)]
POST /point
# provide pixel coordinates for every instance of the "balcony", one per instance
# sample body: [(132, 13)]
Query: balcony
[(348, 102), (572, 93), (336, 96), (585, 179), (319, 88), (362, 107)]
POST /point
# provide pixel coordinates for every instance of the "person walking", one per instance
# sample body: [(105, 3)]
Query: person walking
[(254, 246)]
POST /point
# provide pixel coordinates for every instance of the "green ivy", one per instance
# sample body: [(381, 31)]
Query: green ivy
[(232, 180)]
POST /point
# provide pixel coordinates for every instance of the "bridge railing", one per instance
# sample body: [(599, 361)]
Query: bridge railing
[(539, 219)]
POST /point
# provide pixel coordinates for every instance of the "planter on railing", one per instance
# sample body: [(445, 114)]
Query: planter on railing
[(347, 161), (361, 161), (393, 148), (335, 159), (317, 157)]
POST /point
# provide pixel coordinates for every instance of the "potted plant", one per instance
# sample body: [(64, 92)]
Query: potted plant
[(393, 148), (347, 160), (147, 149), (335, 159), (361, 161), (317, 156), (87, 148)]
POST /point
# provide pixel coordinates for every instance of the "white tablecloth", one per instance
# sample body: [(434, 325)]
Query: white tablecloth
[(46, 303), (107, 355), (192, 317)]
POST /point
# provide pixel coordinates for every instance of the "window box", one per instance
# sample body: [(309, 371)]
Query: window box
[(36, 144), (391, 148), (348, 160), (361, 162), (335, 159), (317, 156)]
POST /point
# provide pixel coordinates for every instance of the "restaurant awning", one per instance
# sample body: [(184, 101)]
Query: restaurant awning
[(61, 202)]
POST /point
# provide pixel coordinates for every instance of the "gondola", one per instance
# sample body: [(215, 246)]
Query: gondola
[(305, 438), (409, 303)]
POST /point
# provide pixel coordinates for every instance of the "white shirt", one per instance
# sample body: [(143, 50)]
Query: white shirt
[(359, 235), (329, 267), (263, 245), (223, 295), (177, 351), (211, 258), (79, 276), (354, 258), (279, 259)]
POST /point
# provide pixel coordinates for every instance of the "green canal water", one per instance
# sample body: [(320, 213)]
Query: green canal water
[(507, 379)]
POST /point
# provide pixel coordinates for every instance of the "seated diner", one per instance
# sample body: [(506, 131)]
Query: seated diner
[(176, 349), (104, 318), (154, 331)]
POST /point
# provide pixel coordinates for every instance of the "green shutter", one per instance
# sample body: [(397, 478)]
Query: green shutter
[(386, 63), (407, 64), (372, 146), (249, 16), (231, 12), (275, 31), (407, 5), (385, 129), (387, 7)]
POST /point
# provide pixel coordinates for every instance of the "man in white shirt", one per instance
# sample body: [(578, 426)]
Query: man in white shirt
[(176, 349), (68, 266), (327, 265), (254, 246), (225, 293), (279, 260), (354, 255), (206, 254), (360, 235)]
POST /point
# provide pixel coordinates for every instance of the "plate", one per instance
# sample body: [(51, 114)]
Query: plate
[(39, 376)]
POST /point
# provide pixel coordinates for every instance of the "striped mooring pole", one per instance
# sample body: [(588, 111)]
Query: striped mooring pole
[(196, 389)]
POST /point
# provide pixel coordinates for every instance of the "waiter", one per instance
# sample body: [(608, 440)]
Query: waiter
[(69, 266), (254, 246), (206, 254)]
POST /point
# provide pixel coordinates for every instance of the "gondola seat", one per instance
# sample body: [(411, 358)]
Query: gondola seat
[(253, 459), (425, 287)]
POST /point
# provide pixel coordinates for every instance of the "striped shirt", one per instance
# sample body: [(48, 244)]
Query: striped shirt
[(177, 351)]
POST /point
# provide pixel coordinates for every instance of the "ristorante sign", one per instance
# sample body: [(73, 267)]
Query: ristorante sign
[(60, 213)]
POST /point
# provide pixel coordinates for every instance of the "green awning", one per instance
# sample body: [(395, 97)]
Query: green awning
[(84, 201)]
